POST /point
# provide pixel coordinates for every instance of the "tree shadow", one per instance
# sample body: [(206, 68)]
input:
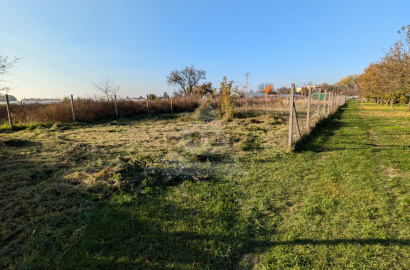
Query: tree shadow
[(321, 133), (33, 199), (119, 239)]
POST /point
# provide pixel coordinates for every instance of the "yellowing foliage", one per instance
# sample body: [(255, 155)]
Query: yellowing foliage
[(268, 90)]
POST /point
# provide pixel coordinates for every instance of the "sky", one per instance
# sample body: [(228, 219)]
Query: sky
[(64, 46)]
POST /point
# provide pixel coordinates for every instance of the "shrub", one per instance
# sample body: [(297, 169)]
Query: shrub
[(226, 98)]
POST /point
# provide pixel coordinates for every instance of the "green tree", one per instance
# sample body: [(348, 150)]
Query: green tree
[(152, 97)]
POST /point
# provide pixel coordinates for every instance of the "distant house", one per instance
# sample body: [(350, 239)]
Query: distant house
[(39, 101)]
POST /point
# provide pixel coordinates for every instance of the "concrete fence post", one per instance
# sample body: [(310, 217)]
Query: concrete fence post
[(9, 112), (290, 135), (72, 107), (318, 101), (147, 104), (116, 108), (308, 111)]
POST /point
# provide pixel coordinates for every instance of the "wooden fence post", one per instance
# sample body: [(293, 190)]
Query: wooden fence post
[(172, 109), (72, 107), (292, 89), (308, 111), (116, 108), (246, 103), (190, 101), (324, 103), (9, 112), (147, 105)]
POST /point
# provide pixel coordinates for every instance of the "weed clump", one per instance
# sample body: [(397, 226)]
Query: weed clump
[(204, 113)]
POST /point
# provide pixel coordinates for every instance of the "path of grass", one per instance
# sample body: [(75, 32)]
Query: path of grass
[(342, 200)]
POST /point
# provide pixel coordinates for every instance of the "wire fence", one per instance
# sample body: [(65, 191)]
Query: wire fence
[(302, 112), (306, 112)]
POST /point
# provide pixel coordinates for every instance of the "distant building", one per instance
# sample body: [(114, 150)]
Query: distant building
[(322, 96), (39, 101)]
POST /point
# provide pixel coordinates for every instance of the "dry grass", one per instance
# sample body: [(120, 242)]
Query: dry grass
[(91, 110), (68, 166)]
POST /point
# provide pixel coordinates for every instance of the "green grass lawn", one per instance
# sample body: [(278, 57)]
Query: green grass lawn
[(106, 195)]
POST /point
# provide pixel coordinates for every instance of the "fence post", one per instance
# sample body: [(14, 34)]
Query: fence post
[(308, 111), (318, 101), (324, 103), (246, 103), (9, 112), (72, 107), (147, 105), (331, 102), (116, 108), (172, 109), (292, 89), (190, 101)]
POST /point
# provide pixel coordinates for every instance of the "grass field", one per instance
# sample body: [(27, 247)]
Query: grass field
[(177, 192)]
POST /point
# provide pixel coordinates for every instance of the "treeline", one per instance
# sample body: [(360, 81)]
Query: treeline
[(387, 81)]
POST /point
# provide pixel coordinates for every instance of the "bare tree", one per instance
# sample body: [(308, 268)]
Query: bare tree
[(165, 95), (5, 66), (283, 90), (263, 86), (186, 79), (108, 86)]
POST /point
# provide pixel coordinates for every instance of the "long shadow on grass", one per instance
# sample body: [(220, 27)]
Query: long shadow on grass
[(123, 238), (126, 238), (321, 133), (33, 202)]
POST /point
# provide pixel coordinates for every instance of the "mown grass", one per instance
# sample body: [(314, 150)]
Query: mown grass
[(106, 195)]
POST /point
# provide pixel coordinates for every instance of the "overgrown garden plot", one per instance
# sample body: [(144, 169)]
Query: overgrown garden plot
[(96, 196)]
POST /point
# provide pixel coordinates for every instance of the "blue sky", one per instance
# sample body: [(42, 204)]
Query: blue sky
[(65, 45)]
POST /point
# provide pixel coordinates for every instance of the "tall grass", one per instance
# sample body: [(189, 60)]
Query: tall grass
[(91, 110)]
